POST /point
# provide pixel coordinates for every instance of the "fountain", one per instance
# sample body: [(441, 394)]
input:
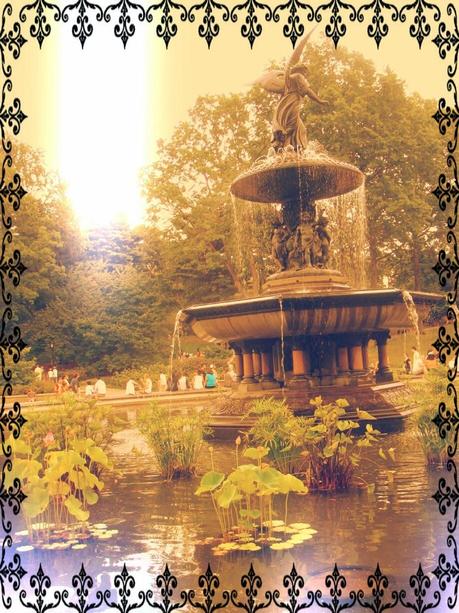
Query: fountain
[(307, 334)]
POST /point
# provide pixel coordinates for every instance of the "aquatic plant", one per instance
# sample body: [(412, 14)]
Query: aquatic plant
[(324, 449), (332, 451), (243, 501), (61, 487), (176, 440), (280, 431), (425, 395)]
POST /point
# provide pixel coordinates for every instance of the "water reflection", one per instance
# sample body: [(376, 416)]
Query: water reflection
[(158, 522)]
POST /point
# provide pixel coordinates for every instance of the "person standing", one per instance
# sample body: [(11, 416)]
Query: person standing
[(182, 383), (148, 387), (89, 389), (130, 387), (418, 367), (100, 388), (198, 382), (162, 382), (38, 371), (75, 383)]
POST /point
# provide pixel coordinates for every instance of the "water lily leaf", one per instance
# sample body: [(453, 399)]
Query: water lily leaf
[(290, 483), (90, 496), (280, 546), (24, 548), (36, 502), (255, 453), (275, 523), (58, 488), (300, 526), (227, 494), (74, 507), (228, 546), (21, 533), (249, 547), (100, 526), (79, 546), (209, 482)]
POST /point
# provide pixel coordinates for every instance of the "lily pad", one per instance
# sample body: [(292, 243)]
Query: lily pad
[(281, 546), (21, 533), (300, 526), (275, 523), (249, 547), (79, 546), (25, 548)]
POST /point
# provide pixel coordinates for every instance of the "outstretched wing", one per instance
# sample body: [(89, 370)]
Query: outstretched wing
[(296, 55), (272, 81)]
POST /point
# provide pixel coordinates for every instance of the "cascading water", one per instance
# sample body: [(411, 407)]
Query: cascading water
[(413, 316), (175, 339), (281, 307), (348, 225)]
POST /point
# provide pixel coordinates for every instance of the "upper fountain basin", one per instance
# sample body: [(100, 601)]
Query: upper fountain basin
[(311, 314), (294, 176)]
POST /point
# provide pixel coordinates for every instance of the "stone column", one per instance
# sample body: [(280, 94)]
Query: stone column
[(267, 368), (247, 361), (299, 362), (384, 372), (238, 365), (256, 357), (343, 360), (356, 358), (365, 354)]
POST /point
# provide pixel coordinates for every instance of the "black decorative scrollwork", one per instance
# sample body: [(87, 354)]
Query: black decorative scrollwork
[(420, 27), (208, 28), (11, 192), (10, 116), (420, 583), (294, 27), (40, 27), (336, 582), (378, 28), (377, 583), (11, 40), (167, 583), (336, 29), (82, 28), (447, 571), (125, 583), (40, 583), (167, 28), (448, 497), (447, 268), (294, 584), (251, 582), (82, 584), (447, 192), (209, 583), (448, 39), (124, 29), (447, 420), (447, 116), (251, 29)]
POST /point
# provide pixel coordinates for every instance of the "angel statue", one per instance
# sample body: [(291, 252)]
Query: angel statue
[(293, 86)]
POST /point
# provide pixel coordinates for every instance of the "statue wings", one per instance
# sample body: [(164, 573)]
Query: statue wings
[(274, 80)]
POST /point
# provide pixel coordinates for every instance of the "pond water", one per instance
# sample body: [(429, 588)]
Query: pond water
[(398, 525)]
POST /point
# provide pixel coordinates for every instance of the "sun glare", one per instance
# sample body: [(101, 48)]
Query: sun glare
[(102, 135)]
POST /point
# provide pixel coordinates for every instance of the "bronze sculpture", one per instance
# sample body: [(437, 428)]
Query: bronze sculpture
[(288, 127)]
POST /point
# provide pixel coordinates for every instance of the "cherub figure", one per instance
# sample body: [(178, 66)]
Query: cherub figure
[(292, 84)]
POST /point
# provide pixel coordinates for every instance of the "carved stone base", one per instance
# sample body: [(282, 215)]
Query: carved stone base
[(384, 376), (305, 281)]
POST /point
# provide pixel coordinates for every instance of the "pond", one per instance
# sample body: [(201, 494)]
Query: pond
[(164, 522)]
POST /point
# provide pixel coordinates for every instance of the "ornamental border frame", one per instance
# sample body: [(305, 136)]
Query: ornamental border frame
[(423, 592)]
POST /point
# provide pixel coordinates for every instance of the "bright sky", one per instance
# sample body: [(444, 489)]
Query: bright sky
[(97, 114)]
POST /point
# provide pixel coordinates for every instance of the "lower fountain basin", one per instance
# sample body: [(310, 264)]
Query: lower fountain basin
[(312, 314)]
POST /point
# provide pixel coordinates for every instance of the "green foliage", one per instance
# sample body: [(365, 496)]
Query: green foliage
[(426, 394), (280, 431), (244, 501), (22, 370), (176, 440), (323, 448)]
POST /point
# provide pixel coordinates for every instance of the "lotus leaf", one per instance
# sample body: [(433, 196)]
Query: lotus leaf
[(209, 482), (227, 494), (255, 453)]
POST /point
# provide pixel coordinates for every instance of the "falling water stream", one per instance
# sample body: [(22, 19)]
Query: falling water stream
[(175, 339), (413, 316), (281, 307)]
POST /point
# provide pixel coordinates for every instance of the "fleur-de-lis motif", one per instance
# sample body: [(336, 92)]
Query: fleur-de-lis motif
[(447, 192), (82, 28), (251, 29), (294, 584), (124, 29), (125, 583), (447, 116), (11, 116), (447, 268), (251, 582), (40, 27), (447, 571), (448, 497), (167, 28), (13, 572), (166, 583), (10, 191), (446, 40), (82, 583), (447, 420), (420, 583), (377, 28), (294, 27), (11, 40), (378, 583), (208, 28), (40, 583), (420, 27), (336, 582), (209, 583), (336, 29), (11, 418)]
